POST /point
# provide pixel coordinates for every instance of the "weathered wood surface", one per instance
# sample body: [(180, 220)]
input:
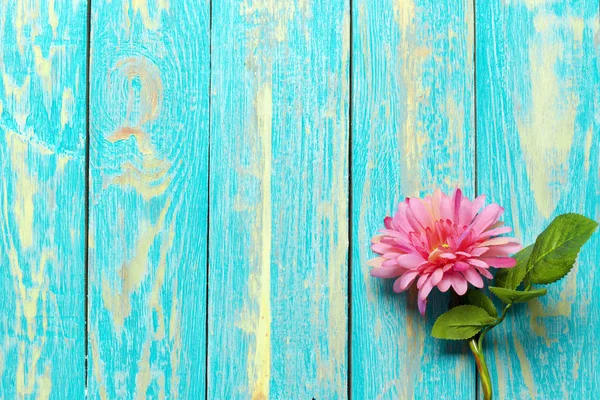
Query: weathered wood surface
[(148, 199), (42, 192), (252, 148), (412, 131), (279, 197), (538, 113)]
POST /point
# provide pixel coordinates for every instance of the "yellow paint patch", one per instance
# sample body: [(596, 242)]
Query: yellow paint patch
[(414, 54), (547, 123), (117, 300), (525, 365), (562, 308), (61, 163), (577, 24), (98, 366), (43, 67), (141, 7), (26, 14), (67, 108), (159, 281), (150, 181), (144, 373), (17, 99), (532, 4), (44, 384), (588, 148), (175, 338), (52, 17), (271, 18), (502, 384), (259, 283), (25, 189)]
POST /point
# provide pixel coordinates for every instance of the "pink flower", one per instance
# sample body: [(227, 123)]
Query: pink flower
[(442, 241)]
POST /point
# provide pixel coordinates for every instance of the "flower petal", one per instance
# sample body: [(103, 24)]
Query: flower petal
[(422, 305), (422, 280), (444, 284), (376, 262), (479, 251), (487, 217), (456, 201), (402, 283), (448, 256), (477, 263), (425, 289), (477, 204), (503, 250), (485, 272), (446, 208), (500, 262), (387, 272), (497, 241), (436, 201), (473, 277), (496, 231), (420, 212), (437, 276), (461, 266), (458, 283), (410, 261)]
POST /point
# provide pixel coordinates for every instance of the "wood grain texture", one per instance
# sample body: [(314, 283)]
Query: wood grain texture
[(412, 132), (42, 192), (148, 199), (538, 102), (278, 220)]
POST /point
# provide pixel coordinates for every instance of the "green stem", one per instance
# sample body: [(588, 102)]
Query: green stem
[(476, 345), (484, 374)]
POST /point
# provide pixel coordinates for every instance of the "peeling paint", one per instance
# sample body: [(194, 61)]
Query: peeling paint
[(546, 122), (525, 365), (259, 360), (67, 108), (117, 300), (25, 189)]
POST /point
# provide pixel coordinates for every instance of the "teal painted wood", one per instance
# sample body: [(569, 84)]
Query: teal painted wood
[(412, 132), (42, 199), (278, 215), (538, 91), (148, 199)]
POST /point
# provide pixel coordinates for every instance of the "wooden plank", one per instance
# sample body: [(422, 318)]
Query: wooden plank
[(148, 199), (42, 199), (538, 90), (278, 220), (412, 132)]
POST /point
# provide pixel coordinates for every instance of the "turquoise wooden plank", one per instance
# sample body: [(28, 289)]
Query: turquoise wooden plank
[(148, 199), (412, 122), (278, 214), (538, 88), (42, 199)]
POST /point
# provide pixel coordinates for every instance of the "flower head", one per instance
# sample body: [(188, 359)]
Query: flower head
[(442, 241)]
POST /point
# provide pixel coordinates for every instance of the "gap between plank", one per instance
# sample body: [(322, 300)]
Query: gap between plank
[(87, 189), (349, 254), (206, 336)]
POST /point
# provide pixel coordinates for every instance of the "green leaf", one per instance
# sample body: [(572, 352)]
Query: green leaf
[(479, 299), (511, 278), (509, 296), (556, 248), (461, 322)]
